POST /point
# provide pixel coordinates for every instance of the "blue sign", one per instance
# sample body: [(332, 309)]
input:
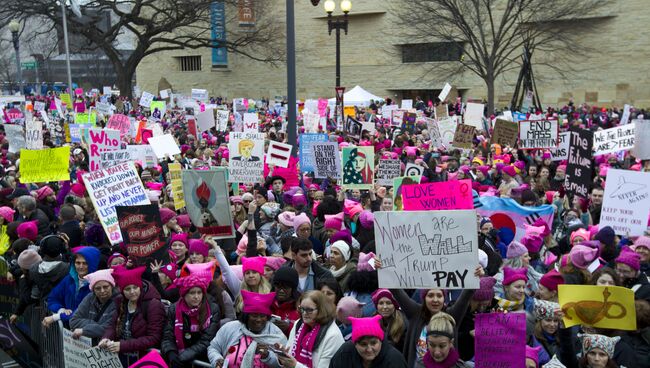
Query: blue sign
[(218, 33), (306, 157)]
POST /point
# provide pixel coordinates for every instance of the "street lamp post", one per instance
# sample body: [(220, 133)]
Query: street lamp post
[(14, 27), (338, 24)]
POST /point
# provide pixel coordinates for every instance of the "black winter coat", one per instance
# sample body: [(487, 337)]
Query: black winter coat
[(348, 357)]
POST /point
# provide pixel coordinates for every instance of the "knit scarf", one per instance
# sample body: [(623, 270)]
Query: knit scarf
[(303, 348), (193, 313), (340, 271), (450, 360), (508, 305)]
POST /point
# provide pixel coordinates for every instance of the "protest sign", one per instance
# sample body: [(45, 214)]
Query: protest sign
[(387, 171), (398, 183), (145, 99), (205, 120), (397, 117), (112, 158), (441, 112), (15, 136), (407, 104), (447, 128), (85, 118), (142, 235), (305, 152), (505, 133), (161, 106), (246, 164), (641, 140), (17, 345), (474, 115), (39, 106), (177, 185), (199, 94), (446, 195), (73, 349), (445, 92), (16, 116), (121, 123), (434, 132), (222, 120), (278, 154), (143, 153), (538, 133), (101, 140), (412, 169), (617, 139), (103, 108), (251, 122), (114, 186), (97, 357), (408, 122), (464, 136), (626, 202), (327, 163), (578, 172), (368, 126), (311, 121), (353, 128), (358, 167), (65, 98), (610, 307), (50, 164), (75, 132), (561, 152), (500, 340), (207, 203), (427, 249), (164, 145), (33, 134)]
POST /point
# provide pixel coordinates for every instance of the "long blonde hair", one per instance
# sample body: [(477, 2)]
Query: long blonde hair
[(263, 288)]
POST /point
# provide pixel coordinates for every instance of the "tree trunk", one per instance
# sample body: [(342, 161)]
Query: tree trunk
[(489, 82), (125, 82)]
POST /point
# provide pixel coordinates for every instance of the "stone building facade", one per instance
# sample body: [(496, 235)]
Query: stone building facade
[(374, 57)]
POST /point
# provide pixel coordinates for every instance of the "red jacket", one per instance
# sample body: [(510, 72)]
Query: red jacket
[(286, 311)]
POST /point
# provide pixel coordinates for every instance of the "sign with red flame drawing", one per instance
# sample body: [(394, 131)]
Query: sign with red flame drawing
[(207, 202)]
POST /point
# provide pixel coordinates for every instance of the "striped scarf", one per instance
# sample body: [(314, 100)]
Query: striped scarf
[(508, 305)]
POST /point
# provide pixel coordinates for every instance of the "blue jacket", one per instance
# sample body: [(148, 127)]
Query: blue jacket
[(68, 294)]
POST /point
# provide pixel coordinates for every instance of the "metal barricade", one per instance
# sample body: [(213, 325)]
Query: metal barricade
[(52, 348)]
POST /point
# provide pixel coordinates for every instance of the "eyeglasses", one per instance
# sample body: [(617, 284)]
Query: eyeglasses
[(247, 201), (307, 310)]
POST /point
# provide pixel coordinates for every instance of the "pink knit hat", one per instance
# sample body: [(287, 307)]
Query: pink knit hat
[(28, 230), (198, 246), (362, 327), (101, 275), (286, 218), (257, 303), (253, 264), (533, 354), (275, 262), (7, 213), (516, 249), (78, 189), (182, 237), (510, 170), (203, 270), (552, 279), (300, 220), (188, 282), (183, 220), (532, 242), (166, 215), (124, 277), (367, 219), (170, 269), (348, 307), (630, 258), (43, 192), (384, 293), (642, 241), (334, 222), (581, 256), (583, 233), (486, 289), (511, 275), (351, 208)]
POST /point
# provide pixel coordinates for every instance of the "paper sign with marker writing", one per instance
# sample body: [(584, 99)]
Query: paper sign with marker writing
[(578, 173), (387, 171), (98, 357), (278, 154), (474, 115), (120, 122), (617, 139), (561, 152), (145, 99), (626, 202), (73, 349), (407, 104), (445, 92), (164, 145), (33, 133), (222, 119), (447, 129), (177, 185), (505, 133), (85, 118), (205, 120), (427, 249), (500, 340), (45, 165), (199, 94), (598, 306), (447, 195), (112, 158), (101, 140), (65, 98), (538, 133), (15, 137), (251, 122)]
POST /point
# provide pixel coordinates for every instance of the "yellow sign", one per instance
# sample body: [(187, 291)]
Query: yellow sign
[(66, 128), (349, 111), (65, 98), (177, 185), (85, 118), (40, 166), (4, 239), (598, 306)]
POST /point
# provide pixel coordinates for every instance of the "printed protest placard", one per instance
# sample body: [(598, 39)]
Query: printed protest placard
[(222, 120), (397, 117), (427, 249), (641, 140), (278, 154), (447, 128), (358, 167), (538, 133), (505, 133), (112, 158), (474, 115), (50, 164), (447, 195), (114, 186), (251, 122), (327, 163), (464, 136), (353, 128), (610, 307), (177, 185), (73, 349), (75, 132), (199, 94), (578, 172), (65, 98), (626, 202), (207, 203), (143, 153), (617, 139), (434, 132), (85, 118), (33, 134), (141, 229), (98, 357), (246, 164), (305, 152), (412, 169), (561, 152), (121, 123), (164, 145), (205, 120), (145, 99), (101, 140), (387, 171), (15, 137), (500, 340)]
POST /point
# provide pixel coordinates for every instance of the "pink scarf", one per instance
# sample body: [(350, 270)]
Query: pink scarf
[(183, 309), (450, 360), (303, 348)]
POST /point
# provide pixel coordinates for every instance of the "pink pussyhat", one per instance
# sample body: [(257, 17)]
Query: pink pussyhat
[(362, 327), (257, 303), (253, 264)]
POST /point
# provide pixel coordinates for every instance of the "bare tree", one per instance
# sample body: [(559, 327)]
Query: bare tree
[(155, 26), (494, 33)]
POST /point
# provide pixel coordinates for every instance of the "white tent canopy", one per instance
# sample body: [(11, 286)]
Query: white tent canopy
[(357, 96)]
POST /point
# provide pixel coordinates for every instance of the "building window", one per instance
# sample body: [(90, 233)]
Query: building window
[(428, 52), (189, 63)]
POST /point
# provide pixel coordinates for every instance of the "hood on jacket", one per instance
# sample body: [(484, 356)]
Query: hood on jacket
[(92, 257)]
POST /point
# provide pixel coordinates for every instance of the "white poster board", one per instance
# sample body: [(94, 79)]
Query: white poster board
[(145, 99), (73, 349), (327, 162), (413, 170), (164, 145), (222, 120), (386, 171), (474, 115), (200, 94), (447, 129), (617, 139), (626, 203), (445, 92), (561, 152), (642, 139), (33, 133), (205, 120), (251, 122), (538, 134), (278, 154)]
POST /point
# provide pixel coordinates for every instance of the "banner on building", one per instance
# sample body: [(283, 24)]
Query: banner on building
[(218, 33), (246, 13)]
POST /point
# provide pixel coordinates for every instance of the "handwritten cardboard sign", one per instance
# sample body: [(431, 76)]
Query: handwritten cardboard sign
[(101, 140), (73, 349), (474, 115), (505, 133), (464, 136), (561, 152), (448, 195), (222, 120), (33, 134), (617, 139), (120, 122), (305, 151), (207, 203), (626, 202), (177, 185), (50, 164), (327, 163), (15, 137), (598, 306), (98, 357), (164, 145), (251, 122), (246, 164), (538, 133), (578, 172), (500, 340), (427, 249), (387, 171), (112, 158)]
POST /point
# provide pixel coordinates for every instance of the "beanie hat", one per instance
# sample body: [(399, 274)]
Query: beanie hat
[(533, 354), (367, 219), (583, 233), (43, 192), (334, 222), (532, 242), (342, 247), (484, 220), (482, 258), (516, 249), (369, 326), (545, 310), (28, 258), (630, 258), (253, 264), (286, 218), (344, 235), (287, 276), (124, 277), (364, 260), (384, 293), (182, 237), (275, 262), (551, 280), (581, 256), (486, 289), (186, 283), (554, 363), (115, 255), (511, 275), (101, 275), (534, 230), (510, 170), (257, 303), (351, 208), (606, 236), (642, 241), (484, 170), (169, 270), (561, 168), (183, 220), (270, 209), (593, 341), (166, 215), (298, 199), (78, 190), (7, 213), (198, 246), (203, 270), (300, 220), (52, 246), (28, 230), (348, 307)]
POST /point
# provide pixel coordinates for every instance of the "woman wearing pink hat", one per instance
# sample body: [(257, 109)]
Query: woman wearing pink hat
[(254, 281), (393, 321), (96, 311)]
